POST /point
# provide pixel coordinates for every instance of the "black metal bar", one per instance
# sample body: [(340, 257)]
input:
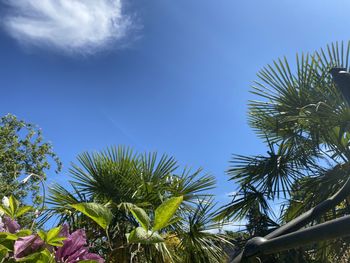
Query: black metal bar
[(336, 228), (313, 213), (305, 218)]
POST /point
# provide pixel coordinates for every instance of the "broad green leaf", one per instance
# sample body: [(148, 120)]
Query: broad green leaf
[(141, 216), (57, 242), (97, 212), (42, 234), (22, 210), (7, 240), (9, 244), (140, 235), (6, 210), (3, 252), (23, 233), (165, 212), (43, 256), (53, 233), (8, 236), (53, 237), (14, 203)]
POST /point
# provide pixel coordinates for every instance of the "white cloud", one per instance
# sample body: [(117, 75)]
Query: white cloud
[(83, 26)]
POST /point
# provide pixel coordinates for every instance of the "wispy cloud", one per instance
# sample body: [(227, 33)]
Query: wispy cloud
[(83, 26)]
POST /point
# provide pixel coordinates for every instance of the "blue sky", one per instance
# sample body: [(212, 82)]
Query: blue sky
[(173, 77)]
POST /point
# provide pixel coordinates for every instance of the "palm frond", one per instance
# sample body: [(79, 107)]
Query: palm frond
[(305, 102), (242, 202), (191, 185), (310, 191), (59, 199), (275, 172), (154, 169), (200, 241), (108, 175)]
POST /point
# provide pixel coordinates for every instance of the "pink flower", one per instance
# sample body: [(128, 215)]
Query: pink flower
[(9, 225), (25, 246), (74, 248)]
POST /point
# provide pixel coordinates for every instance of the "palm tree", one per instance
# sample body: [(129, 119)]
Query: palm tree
[(123, 180), (304, 121)]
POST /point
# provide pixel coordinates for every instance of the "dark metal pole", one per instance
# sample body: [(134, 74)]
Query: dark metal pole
[(313, 213), (305, 218), (326, 231)]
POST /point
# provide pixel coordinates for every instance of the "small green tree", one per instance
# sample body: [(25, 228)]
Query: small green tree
[(160, 213), (23, 152)]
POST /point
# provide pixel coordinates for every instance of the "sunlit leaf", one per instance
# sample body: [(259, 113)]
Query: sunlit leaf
[(140, 235), (165, 212), (141, 216), (22, 210), (97, 212)]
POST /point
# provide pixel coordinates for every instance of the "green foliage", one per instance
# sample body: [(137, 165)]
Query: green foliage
[(43, 256), (141, 216), (3, 252), (97, 212), (148, 196), (8, 236), (165, 212), (52, 237), (24, 232), (199, 240), (163, 215), (14, 210), (23, 151), (242, 204), (304, 121), (142, 236)]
